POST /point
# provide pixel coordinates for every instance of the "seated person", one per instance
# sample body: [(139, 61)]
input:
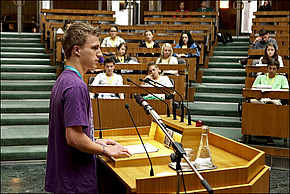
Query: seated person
[(109, 78), (271, 52), (113, 40), (203, 8), (149, 43), (260, 43), (186, 41), (276, 82), (154, 74), (266, 6), (167, 58), (181, 9), (122, 57), (66, 25)]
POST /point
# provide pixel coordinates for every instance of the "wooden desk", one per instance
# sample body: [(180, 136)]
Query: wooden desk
[(265, 119), (240, 169)]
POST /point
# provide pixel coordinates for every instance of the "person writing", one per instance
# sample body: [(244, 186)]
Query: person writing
[(109, 78), (276, 82), (149, 43), (72, 148), (113, 40), (167, 58), (186, 41)]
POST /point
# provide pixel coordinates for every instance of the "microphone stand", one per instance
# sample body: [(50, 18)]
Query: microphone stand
[(182, 104), (168, 110), (100, 131), (171, 96), (151, 170), (178, 150)]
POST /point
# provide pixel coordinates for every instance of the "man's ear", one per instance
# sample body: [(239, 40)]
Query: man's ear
[(76, 50)]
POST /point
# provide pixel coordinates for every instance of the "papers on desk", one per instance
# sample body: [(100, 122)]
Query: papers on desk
[(139, 149)]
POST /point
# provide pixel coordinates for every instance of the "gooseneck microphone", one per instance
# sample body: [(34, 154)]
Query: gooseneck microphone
[(164, 91), (151, 170), (167, 109), (177, 147), (182, 104)]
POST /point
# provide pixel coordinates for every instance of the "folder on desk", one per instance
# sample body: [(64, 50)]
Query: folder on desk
[(139, 149)]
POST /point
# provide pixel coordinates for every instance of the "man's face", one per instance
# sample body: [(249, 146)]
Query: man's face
[(272, 70), (203, 4), (90, 52), (109, 67), (265, 37), (181, 6)]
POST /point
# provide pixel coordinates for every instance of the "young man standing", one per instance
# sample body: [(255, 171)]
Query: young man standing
[(71, 160)]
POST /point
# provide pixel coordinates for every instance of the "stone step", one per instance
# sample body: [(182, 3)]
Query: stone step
[(219, 88), (223, 79), (21, 40), (235, 43), (235, 65), (24, 55), (24, 119), (218, 121), (25, 106), (35, 85), (214, 108), (29, 61), (241, 38), (230, 53), (218, 97), (226, 58), (25, 45), (231, 48), (21, 35), (18, 135), (23, 49), (28, 68), (34, 152), (223, 72), (25, 94), (28, 76), (228, 132)]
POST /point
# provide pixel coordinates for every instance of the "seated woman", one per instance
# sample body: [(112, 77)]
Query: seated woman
[(186, 41), (271, 52), (167, 58), (149, 43), (154, 74), (113, 40), (109, 78), (122, 57)]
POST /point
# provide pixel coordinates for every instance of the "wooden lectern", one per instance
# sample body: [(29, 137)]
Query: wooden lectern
[(240, 168)]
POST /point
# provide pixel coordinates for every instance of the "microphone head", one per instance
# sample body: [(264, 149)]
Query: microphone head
[(128, 80), (142, 80), (147, 80), (126, 105), (139, 99)]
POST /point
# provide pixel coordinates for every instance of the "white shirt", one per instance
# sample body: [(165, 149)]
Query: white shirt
[(280, 60), (108, 43), (172, 60), (103, 79)]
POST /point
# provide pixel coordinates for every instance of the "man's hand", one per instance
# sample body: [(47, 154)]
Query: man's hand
[(106, 142), (117, 151), (257, 40)]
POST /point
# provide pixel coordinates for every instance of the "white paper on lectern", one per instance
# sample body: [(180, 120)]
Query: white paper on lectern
[(138, 149)]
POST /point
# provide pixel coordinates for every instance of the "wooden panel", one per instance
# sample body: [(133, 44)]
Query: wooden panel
[(77, 17), (248, 92), (78, 11), (114, 115), (272, 13), (274, 151), (265, 120), (173, 13)]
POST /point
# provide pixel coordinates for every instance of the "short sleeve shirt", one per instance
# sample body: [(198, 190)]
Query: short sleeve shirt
[(279, 82), (69, 170)]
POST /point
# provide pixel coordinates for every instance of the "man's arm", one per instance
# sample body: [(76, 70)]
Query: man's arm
[(77, 139)]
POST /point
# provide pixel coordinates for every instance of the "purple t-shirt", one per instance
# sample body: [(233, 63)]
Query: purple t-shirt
[(69, 170)]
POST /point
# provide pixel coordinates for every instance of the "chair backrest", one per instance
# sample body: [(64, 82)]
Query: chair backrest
[(181, 61), (91, 79)]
